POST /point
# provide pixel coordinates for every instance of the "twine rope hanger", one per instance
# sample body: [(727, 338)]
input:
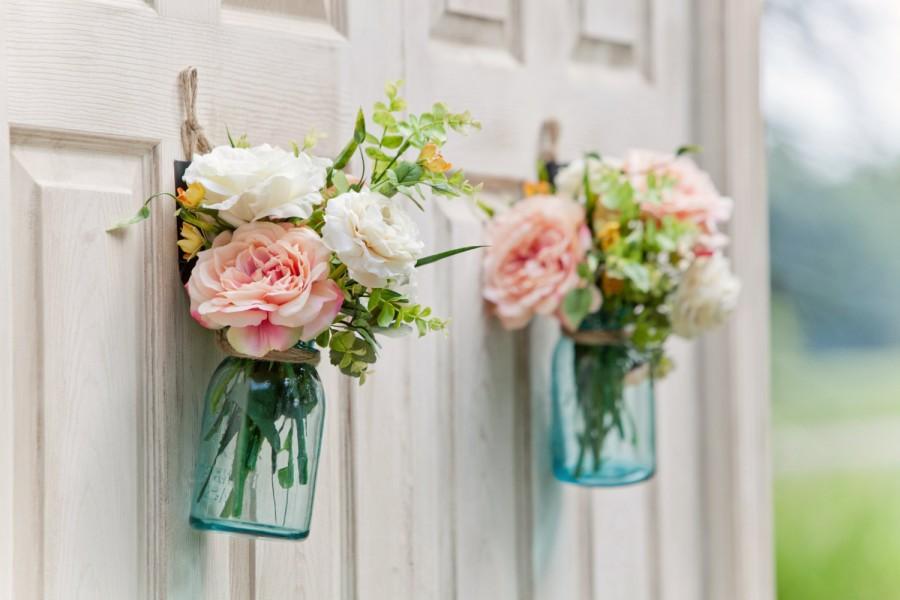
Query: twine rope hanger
[(297, 356), (193, 140)]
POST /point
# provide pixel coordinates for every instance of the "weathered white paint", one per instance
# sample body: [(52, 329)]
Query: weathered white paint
[(734, 383), (435, 480), (7, 406)]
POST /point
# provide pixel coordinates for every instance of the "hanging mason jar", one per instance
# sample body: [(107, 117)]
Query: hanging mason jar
[(259, 447), (603, 413)]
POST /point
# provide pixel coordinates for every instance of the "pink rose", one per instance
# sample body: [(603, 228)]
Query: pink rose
[(693, 197), (531, 263), (268, 283)]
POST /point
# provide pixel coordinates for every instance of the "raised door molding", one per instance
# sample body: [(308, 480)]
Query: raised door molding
[(479, 23), (331, 12), (84, 374), (614, 34)]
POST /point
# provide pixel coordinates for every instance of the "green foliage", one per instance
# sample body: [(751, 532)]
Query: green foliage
[(241, 142), (688, 149), (427, 260), (576, 306), (340, 182), (366, 313), (142, 213), (359, 136), (636, 260), (391, 173), (309, 142)]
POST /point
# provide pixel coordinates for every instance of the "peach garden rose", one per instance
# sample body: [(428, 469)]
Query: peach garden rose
[(692, 195), (530, 264), (268, 283)]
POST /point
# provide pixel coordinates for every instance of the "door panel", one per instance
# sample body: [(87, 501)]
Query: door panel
[(82, 315)]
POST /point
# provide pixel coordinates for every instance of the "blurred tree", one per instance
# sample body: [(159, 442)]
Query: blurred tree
[(835, 252)]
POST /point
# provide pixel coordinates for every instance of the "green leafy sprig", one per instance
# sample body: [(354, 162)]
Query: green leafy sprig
[(635, 258), (365, 314)]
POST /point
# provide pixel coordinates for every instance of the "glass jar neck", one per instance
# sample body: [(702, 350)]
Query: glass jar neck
[(310, 345)]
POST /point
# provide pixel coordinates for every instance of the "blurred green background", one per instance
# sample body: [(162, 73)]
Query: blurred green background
[(837, 504), (831, 73)]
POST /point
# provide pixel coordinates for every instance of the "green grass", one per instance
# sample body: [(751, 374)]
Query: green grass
[(838, 536), (837, 533)]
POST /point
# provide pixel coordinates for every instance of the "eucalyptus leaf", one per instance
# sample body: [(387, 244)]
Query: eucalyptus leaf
[(359, 130), (386, 315), (376, 154), (688, 149), (576, 305), (346, 154), (392, 141), (142, 213), (340, 182), (385, 119), (638, 274), (407, 173)]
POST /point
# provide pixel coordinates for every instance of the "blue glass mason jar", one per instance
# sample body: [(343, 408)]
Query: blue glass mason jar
[(603, 409), (259, 448)]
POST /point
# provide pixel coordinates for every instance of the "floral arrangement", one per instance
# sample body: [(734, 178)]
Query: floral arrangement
[(636, 241), (623, 253), (285, 246), (284, 252)]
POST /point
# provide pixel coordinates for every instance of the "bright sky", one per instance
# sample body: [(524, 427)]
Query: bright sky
[(831, 78)]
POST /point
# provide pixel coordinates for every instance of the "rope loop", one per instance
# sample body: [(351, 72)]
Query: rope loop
[(193, 140), (597, 337), (297, 356)]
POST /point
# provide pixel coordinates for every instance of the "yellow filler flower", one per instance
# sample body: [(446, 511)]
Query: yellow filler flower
[(430, 158), (191, 197), (192, 240)]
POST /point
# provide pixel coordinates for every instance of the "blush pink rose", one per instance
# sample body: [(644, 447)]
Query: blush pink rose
[(693, 197), (531, 262), (268, 283)]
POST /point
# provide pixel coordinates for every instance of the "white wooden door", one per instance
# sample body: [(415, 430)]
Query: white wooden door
[(435, 482)]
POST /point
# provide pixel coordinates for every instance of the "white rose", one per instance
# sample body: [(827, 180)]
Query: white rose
[(247, 184), (374, 237), (706, 296), (570, 179)]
